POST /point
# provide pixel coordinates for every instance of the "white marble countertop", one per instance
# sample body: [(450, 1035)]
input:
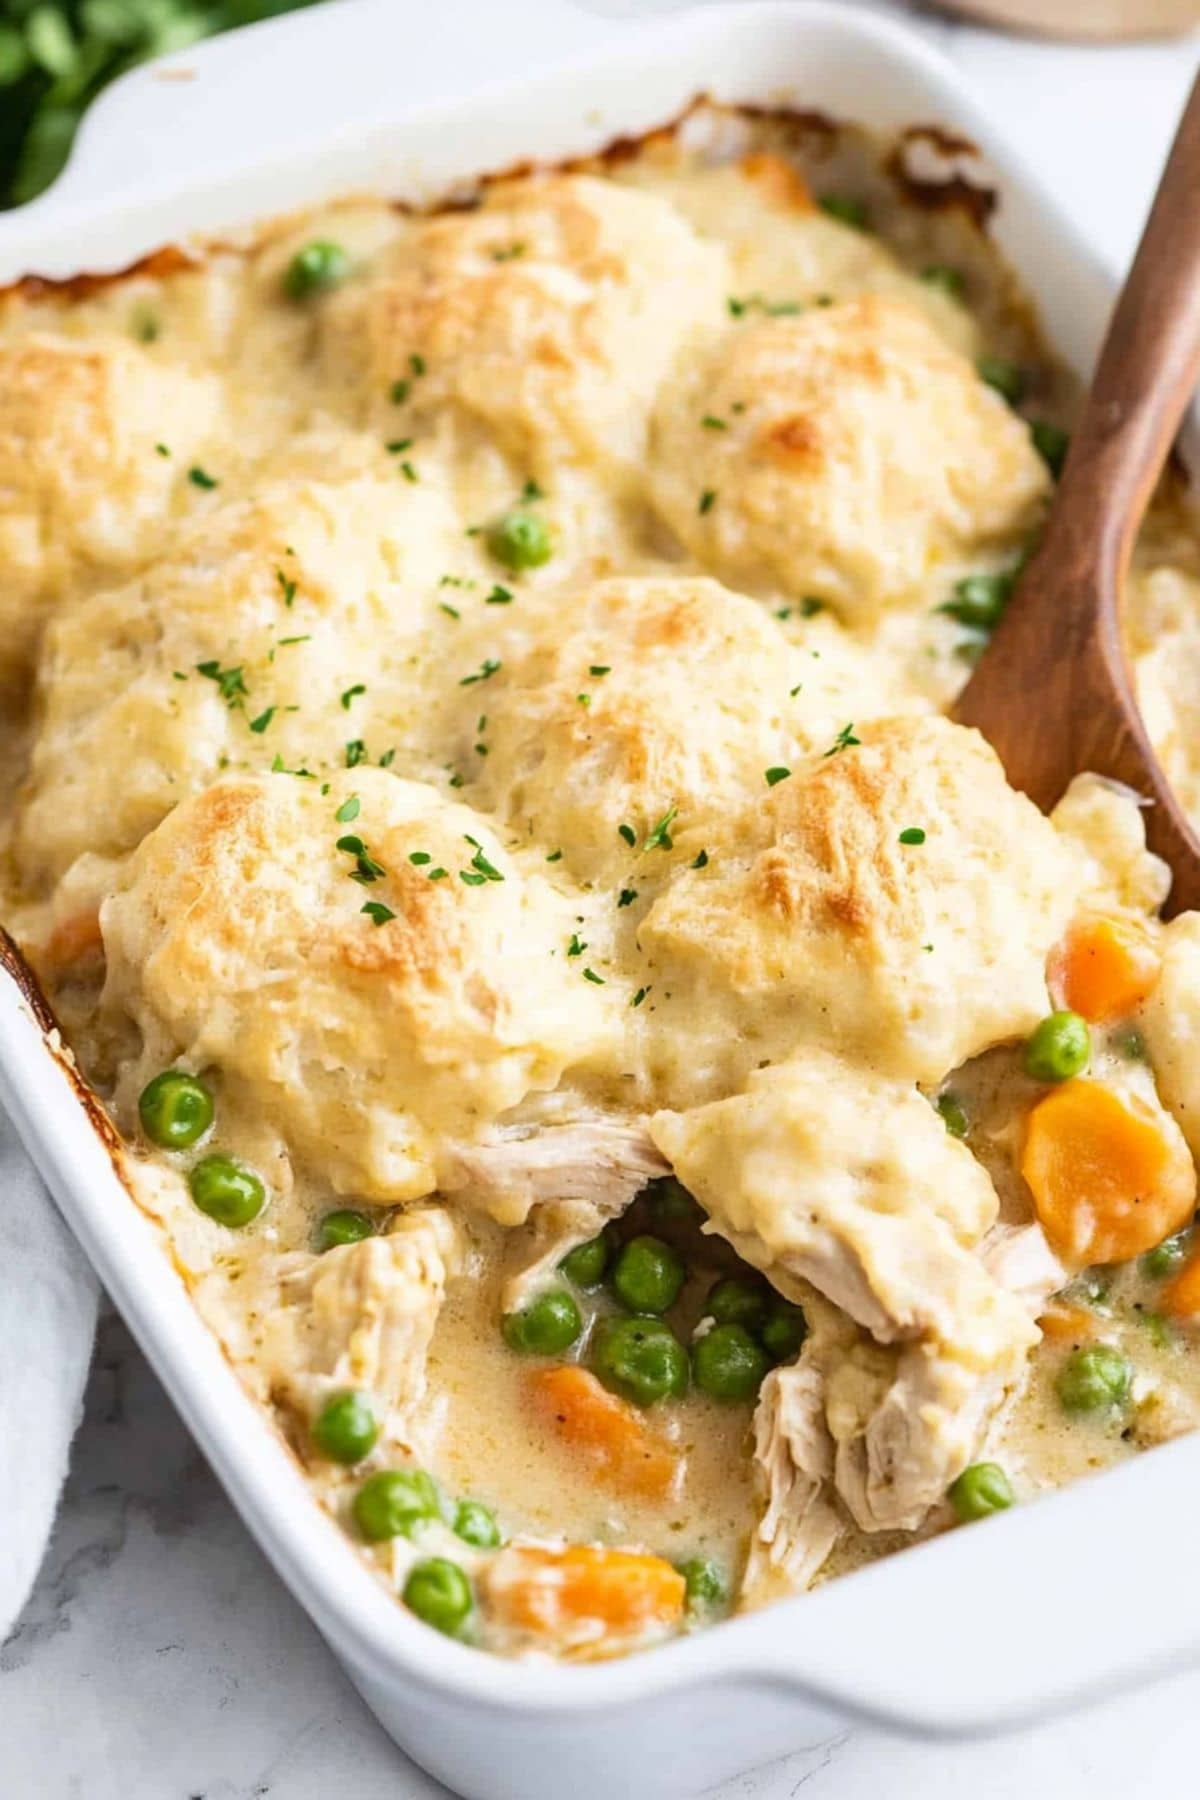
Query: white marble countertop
[(160, 1659)]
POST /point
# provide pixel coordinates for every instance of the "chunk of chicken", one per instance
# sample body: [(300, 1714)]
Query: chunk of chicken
[(793, 1451), (361, 1316), (823, 1173), (573, 1179)]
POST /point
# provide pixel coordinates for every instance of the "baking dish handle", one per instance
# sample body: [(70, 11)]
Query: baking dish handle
[(261, 95)]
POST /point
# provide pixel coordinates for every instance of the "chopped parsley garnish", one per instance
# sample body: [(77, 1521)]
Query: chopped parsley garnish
[(584, 699), (408, 472), (627, 896), (599, 669), (707, 500), (774, 309), (775, 776), (810, 606), (178, 675), (845, 208), (912, 834), (484, 870), (399, 392), (508, 252), (531, 491), (417, 363), (472, 877), (792, 692), (591, 975), (628, 833), (699, 861), (201, 478), (450, 611), (263, 720), (279, 767), (377, 912), (576, 947), (231, 682), (387, 759), (287, 587), (161, 450), (352, 693), (843, 741), (438, 874), (659, 837), (349, 810), (554, 856), (487, 668), (710, 422), (639, 996), (304, 638), (419, 858), (499, 596), (356, 752), (399, 445), (366, 869)]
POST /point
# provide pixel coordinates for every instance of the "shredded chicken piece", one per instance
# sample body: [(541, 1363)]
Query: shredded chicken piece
[(794, 1454), (362, 1316)]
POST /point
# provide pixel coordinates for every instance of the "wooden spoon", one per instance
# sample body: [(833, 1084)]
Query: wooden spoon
[(1053, 692)]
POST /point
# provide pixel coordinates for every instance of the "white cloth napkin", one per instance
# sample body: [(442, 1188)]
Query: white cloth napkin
[(48, 1299)]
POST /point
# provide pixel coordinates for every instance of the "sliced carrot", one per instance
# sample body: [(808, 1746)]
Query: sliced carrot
[(1107, 1181), (1181, 1296), (72, 940), (1104, 967), (1068, 1324), (616, 1441), (583, 1594)]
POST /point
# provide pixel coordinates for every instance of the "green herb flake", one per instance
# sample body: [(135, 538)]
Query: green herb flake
[(499, 596), (399, 391), (201, 478), (660, 837), (774, 776), (531, 491), (398, 446), (231, 682), (699, 861), (451, 612), (161, 450), (487, 668), (844, 740), (387, 759), (287, 587), (419, 858), (912, 834), (591, 975), (352, 693), (408, 472), (508, 252), (708, 500), (349, 810), (639, 996), (810, 606), (417, 364), (627, 896), (263, 720), (628, 833), (711, 422), (554, 856), (480, 864), (576, 947), (377, 912), (438, 874), (356, 752), (598, 669)]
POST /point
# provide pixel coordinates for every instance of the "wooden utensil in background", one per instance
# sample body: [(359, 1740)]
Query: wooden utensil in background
[(1095, 19), (1053, 691)]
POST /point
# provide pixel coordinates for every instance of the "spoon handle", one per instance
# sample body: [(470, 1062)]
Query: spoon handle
[(1053, 693), (1147, 373)]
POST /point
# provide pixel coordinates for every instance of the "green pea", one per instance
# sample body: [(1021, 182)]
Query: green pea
[(546, 1327), (1158, 1263), (953, 1116), (949, 280), (979, 600), (981, 1489), (728, 1364), (438, 1592), (315, 268), (346, 1428), (227, 1190), (520, 540), (1059, 1048), (739, 1301), (584, 1266), (1002, 375), (707, 1587), (394, 1503), (176, 1109), (1051, 443), (640, 1359), (1094, 1380), (784, 1331), (476, 1524), (669, 1203), (648, 1275), (344, 1226), (845, 209)]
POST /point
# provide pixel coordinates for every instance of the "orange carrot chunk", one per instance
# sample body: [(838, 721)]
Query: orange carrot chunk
[(1181, 1297), (74, 939), (1104, 967), (1068, 1324), (1107, 1181), (584, 1593), (606, 1429)]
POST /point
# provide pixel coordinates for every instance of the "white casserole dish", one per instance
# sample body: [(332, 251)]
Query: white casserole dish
[(947, 1638)]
